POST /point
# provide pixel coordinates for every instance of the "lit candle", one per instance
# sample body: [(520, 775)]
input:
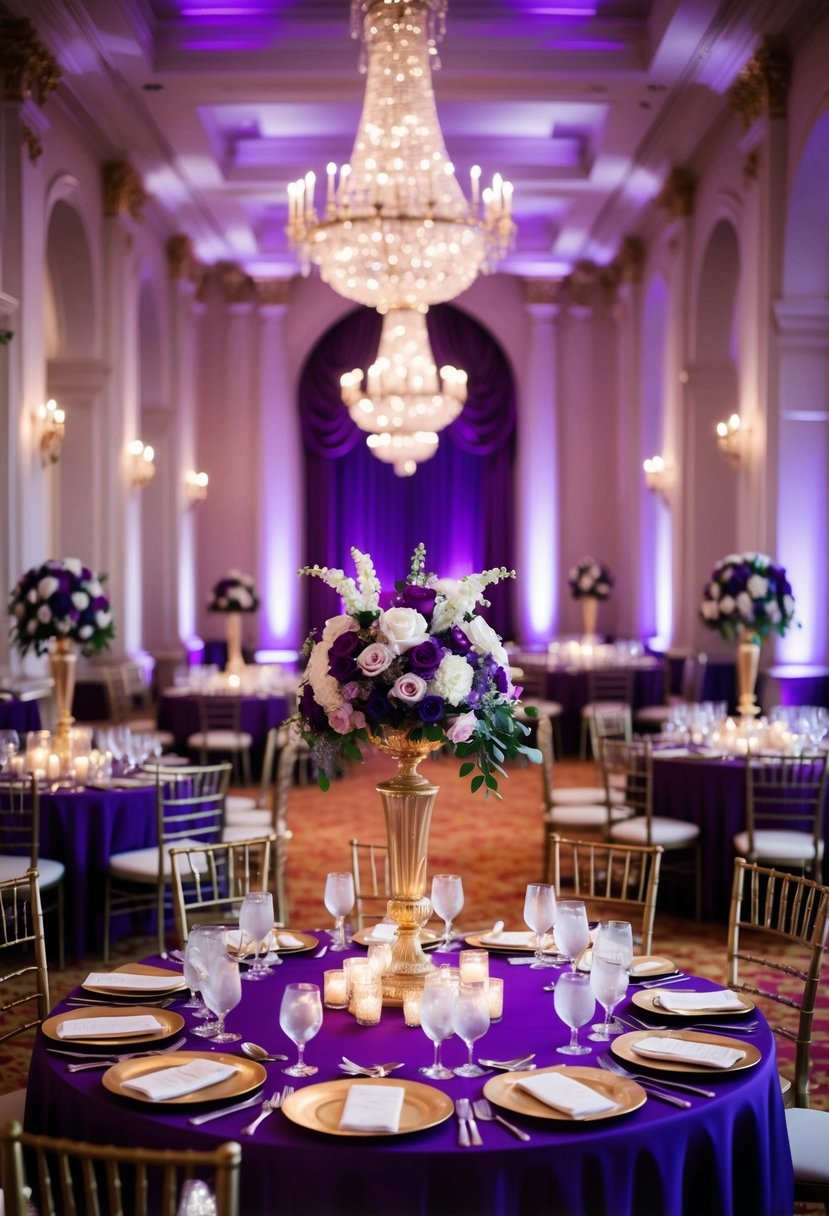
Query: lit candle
[(37, 761), (411, 1008), (495, 993), (475, 181), (366, 1002), (335, 995), (379, 957), (81, 769), (350, 965), (331, 170), (53, 767), (17, 766), (474, 965)]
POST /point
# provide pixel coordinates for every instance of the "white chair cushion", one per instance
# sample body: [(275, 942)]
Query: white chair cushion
[(220, 740), (241, 831), (252, 817), (791, 846), (667, 832), (239, 802), (653, 713), (49, 872), (577, 816), (578, 795), (141, 865), (808, 1140)]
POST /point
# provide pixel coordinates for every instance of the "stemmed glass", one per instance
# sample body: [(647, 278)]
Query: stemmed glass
[(201, 940), (615, 937), (470, 1021), (256, 924), (339, 900), (609, 980), (447, 901), (574, 1003), (9, 746), (540, 916), (222, 991), (300, 1017), (572, 930), (436, 1003)]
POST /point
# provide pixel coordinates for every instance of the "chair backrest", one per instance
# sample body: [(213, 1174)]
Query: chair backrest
[(544, 743), (220, 711), (609, 877), (138, 691), (629, 766), (786, 792), (21, 937), (372, 881), (20, 820), (79, 1179), (693, 677), (610, 684), (190, 804), (610, 722), (211, 880), (789, 914)]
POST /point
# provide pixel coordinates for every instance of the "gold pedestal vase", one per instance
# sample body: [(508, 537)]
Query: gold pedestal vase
[(748, 666), (233, 633), (63, 662), (408, 800), (589, 617)]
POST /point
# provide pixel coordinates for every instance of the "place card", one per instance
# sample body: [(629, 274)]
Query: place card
[(370, 1108), (184, 1079), (569, 1096), (94, 1028), (686, 1051)]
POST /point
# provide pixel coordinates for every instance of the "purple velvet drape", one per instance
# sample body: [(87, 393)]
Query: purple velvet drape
[(460, 503)]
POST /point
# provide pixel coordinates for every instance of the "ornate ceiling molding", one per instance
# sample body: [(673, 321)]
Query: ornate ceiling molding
[(123, 190), (27, 70), (762, 87), (678, 194)]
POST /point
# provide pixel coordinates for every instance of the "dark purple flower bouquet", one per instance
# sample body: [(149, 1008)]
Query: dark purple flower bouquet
[(429, 665), (590, 579), (748, 592), (236, 592), (60, 599)]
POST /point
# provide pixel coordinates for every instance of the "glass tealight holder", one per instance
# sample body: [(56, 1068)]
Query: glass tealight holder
[(335, 995), (495, 992), (350, 965), (366, 1002), (411, 1007), (474, 966), (379, 957), (37, 752)]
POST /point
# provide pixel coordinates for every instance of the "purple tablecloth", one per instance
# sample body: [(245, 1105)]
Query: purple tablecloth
[(569, 686), (180, 714), (728, 1154), (21, 716)]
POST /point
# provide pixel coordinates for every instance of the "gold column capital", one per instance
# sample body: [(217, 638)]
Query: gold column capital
[(27, 69), (541, 291), (123, 189), (762, 86), (581, 283), (272, 291), (237, 286), (677, 196)]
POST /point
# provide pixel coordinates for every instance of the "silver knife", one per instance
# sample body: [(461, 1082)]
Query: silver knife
[(671, 1099), (197, 1120)]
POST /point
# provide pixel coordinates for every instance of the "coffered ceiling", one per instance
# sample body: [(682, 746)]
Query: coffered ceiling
[(584, 105)]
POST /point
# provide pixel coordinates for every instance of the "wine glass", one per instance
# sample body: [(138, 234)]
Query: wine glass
[(447, 901), (300, 1017), (9, 746), (572, 930), (609, 980), (436, 1003), (574, 1003), (201, 940), (470, 1021), (540, 916), (256, 924), (339, 900), (222, 991), (612, 937)]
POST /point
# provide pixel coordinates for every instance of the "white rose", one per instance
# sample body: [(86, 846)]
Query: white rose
[(585, 582), (714, 591), (94, 588), (31, 596), (44, 614), (788, 605), (757, 587), (485, 640), (80, 600), (102, 619), (326, 689), (85, 632), (404, 627), (243, 597), (453, 679), (47, 586), (710, 610), (73, 565), (745, 605), (726, 605), (773, 612), (335, 625)]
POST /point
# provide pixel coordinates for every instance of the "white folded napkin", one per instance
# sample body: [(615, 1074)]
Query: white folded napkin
[(647, 966), (569, 1096), (521, 939), (183, 1079), (666, 752), (688, 1051), (288, 942), (723, 1001), (372, 1108), (91, 1028), (382, 932), (132, 983)]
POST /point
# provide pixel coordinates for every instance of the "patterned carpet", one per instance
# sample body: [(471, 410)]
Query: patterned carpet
[(495, 846)]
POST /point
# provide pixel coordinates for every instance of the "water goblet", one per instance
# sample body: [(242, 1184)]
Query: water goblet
[(200, 941), (222, 991), (256, 925), (300, 1017), (339, 900), (574, 1003), (9, 746), (436, 1002), (447, 901), (470, 1021), (615, 936), (540, 916), (572, 930), (609, 980)]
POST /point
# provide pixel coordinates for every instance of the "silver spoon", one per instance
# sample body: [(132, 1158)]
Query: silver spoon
[(254, 1052)]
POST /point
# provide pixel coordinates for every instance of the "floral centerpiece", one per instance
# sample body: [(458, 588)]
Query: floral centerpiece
[(430, 666), (747, 592), (590, 579), (236, 592), (60, 600)]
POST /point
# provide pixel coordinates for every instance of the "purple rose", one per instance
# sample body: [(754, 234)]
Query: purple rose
[(377, 709), (422, 599), (431, 709), (313, 713), (457, 641), (346, 644), (424, 659), (342, 667)]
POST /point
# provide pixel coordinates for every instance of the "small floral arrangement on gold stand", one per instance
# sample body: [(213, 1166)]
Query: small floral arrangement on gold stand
[(427, 673), (231, 596), (591, 582)]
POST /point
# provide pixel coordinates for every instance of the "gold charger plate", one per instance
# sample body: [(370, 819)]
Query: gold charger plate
[(164, 989), (505, 1091), (249, 1076), (623, 1048), (171, 1024), (428, 938), (478, 942), (646, 999), (320, 1107), (666, 965)]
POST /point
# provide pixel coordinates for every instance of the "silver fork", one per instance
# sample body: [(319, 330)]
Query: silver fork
[(465, 1112), (484, 1111), (116, 1058), (649, 1087), (268, 1107)]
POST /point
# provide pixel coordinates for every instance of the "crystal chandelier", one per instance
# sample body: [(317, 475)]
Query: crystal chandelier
[(404, 451)]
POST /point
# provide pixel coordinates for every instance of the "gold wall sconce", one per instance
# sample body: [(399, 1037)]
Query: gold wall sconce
[(50, 430), (658, 477), (732, 439), (195, 486), (142, 467)]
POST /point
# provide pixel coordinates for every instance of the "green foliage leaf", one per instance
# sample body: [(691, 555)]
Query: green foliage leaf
[(476, 783)]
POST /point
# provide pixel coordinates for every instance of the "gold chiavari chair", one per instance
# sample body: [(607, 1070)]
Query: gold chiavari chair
[(372, 882), (20, 847), (24, 982), (220, 733), (785, 798), (211, 880), (608, 688)]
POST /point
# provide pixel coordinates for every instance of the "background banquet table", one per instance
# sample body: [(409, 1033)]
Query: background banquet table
[(179, 713), (728, 1154), (569, 686), (21, 716)]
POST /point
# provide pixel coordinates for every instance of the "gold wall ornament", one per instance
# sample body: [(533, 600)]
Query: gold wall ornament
[(27, 69), (123, 189), (180, 255), (631, 259), (237, 286), (272, 291), (678, 193), (582, 282), (751, 166), (32, 141), (762, 86), (541, 291)]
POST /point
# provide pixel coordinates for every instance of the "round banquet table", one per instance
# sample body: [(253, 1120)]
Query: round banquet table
[(179, 713), (725, 1155), (569, 686)]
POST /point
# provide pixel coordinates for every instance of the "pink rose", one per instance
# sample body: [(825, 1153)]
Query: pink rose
[(461, 728), (409, 689), (374, 659), (346, 719)]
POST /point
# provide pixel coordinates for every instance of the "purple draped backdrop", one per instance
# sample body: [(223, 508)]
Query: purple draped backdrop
[(459, 503)]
